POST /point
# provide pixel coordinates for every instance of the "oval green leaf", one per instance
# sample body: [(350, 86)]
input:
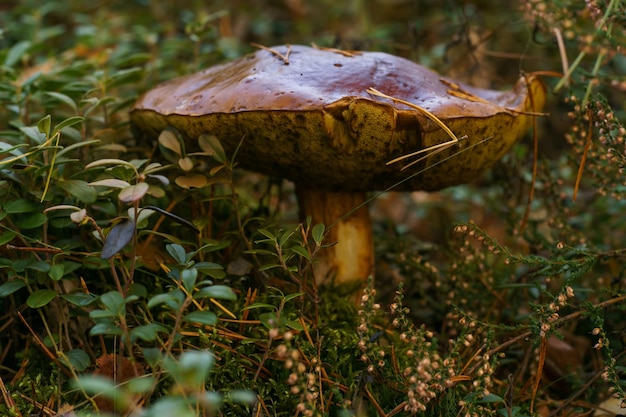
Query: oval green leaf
[(40, 298), (78, 359), (10, 287), (221, 292), (84, 192), (202, 317)]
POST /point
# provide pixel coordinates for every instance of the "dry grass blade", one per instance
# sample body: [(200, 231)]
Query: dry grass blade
[(420, 109), (284, 57), (8, 400), (456, 91), (431, 150), (349, 54)]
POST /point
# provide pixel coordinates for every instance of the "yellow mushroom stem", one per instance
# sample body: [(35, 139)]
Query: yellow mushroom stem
[(349, 256)]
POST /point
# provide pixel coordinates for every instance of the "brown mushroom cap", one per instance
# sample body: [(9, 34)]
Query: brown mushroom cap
[(312, 121)]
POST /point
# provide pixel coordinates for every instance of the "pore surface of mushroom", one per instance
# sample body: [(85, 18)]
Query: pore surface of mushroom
[(306, 115)]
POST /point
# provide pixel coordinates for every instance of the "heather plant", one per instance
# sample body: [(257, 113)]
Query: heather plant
[(144, 279)]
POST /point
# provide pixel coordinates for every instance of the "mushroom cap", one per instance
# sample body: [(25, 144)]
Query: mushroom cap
[(312, 121)]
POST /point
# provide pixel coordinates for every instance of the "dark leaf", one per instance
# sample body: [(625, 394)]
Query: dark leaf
[(119, 236)]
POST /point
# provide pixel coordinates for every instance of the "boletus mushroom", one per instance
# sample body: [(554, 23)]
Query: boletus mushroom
[(317, 117)]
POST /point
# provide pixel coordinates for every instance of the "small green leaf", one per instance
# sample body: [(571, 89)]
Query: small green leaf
[(491, 398), (84, 192), (174, 300), (215, 273), (16, 53), (114, 302), (20, 206), (74, 146), (110, 183), (70, 122), (169, 140), (33, 133), (124, 76), (98, 315), (153, 356), (41, 266), (80, 299), (116, 162), (260, 252), (242, 397), (107, 388), (7, 236), (9, 287), (147, 332), (95, 384), (202, 317), (269, 319), (56, 272), (140, 385), (172, 406), (260, 305), (156, 191), (177, 252), (192, 369), (189, 277), (63, 99), (267, 234), (78, 359), (32, 221), (290, 297), (206, 266), (295, 325), (301, 250), (105, 329), (284, 238), (44, 125), (40, 298), (221, 292), (318, 233), (269, 266), (212, 146)]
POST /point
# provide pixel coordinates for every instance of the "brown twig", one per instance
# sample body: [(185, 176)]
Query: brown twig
[(543, 347), (43, 347), (377, 406), (8, 400)]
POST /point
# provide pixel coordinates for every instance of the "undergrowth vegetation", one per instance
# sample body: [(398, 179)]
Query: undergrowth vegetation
[(137, 279)]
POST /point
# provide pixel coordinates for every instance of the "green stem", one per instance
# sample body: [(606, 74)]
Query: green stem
[(569, 72), (592, 82)]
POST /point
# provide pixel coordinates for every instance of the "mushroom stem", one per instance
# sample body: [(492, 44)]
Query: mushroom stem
[(350, 257)]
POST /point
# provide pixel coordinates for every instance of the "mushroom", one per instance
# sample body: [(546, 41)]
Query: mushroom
[(330, 121)]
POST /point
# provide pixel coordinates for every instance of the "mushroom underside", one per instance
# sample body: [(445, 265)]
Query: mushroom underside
[(349, 157)]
